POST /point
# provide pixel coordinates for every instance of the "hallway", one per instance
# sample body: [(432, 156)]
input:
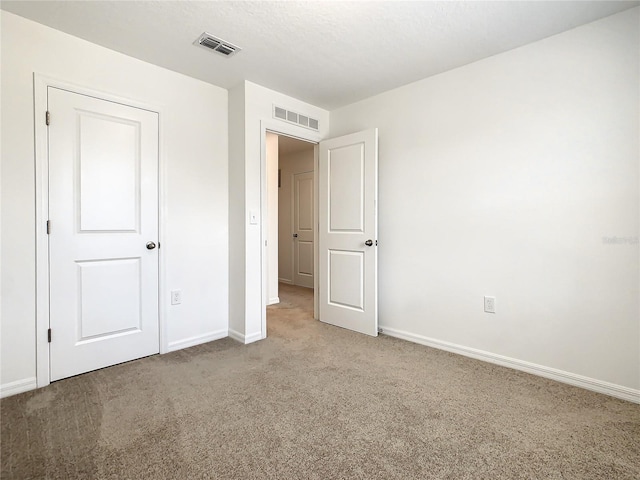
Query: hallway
[(295, 309)]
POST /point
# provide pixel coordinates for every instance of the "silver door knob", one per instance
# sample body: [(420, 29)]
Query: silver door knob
[(151, 245), (368, 243)]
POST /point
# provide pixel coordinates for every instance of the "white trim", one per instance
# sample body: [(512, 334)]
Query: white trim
[(274, 301), (293, 131), (40, 105), (618, 391), (197, 340), (284, 280), (237, 336), (246, 339), (19, 386), (253, 337), (163, 218), (316, 232)]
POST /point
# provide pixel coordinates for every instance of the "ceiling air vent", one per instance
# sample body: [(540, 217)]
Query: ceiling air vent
[(295, 118), (208, 41)]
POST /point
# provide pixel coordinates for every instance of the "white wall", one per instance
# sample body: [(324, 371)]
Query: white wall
[(237, 213), (290, 164), (502, 178), (194, 150), (246, 322), (272, 220)]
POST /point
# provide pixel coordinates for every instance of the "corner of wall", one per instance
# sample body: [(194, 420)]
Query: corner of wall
[(236, 104)]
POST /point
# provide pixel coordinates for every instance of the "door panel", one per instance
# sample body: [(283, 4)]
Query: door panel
[(346, 189), (346, 279), (348, 182), (303, 229), (109, 169), (100, 281), (103, 209), (305, 258)]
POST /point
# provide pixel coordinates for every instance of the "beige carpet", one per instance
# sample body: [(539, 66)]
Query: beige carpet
[(316, 402)]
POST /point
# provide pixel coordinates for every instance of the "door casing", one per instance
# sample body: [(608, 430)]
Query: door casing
[(281, 128), (40, 85)]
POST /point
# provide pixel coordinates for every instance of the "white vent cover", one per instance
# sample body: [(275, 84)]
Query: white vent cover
[(295, 118), (208, 41)]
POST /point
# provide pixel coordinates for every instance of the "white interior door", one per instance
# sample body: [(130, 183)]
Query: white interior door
[(303, 229), (348, 183), (103, 211)]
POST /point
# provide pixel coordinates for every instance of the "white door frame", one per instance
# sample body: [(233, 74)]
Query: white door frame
[(40, 86), (281, 128)]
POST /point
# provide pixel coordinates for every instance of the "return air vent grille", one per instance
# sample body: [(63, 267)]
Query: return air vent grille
[(280, 113), (208, 41), (295, 118)]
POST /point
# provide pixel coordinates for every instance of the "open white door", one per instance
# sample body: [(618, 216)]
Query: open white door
[(348, 183), (103, 211)]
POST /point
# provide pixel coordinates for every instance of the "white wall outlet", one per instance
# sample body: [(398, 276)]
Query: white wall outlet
[(490, 304), (176, 297)]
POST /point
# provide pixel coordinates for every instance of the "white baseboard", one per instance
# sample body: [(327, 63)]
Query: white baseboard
[(283, 280), (239, 337), (618, 391), (18, 386), (197, 340), (253, 337), (273, 301)]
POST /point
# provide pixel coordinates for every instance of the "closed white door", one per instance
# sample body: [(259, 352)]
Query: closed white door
[(103, 213), (303, 229), (348, 182)]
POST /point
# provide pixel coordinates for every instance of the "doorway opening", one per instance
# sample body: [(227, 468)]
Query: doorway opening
[(345, 184), (291, 216)]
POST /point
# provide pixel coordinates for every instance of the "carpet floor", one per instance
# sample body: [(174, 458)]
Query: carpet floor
[(314, 401)]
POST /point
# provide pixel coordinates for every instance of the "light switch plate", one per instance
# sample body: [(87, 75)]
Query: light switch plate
[(253, 217)]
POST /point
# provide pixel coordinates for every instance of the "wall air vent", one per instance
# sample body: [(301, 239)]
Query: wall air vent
[(295, 118), (280, 113), (208, 41)]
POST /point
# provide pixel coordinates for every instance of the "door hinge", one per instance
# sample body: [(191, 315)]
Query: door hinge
[(48, 227), (47, 117), (49, 335)]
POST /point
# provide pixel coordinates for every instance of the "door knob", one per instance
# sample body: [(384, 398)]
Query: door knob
[(151, 245), (368, 243)]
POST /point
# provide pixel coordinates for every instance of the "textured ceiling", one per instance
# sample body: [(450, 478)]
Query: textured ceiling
[(326, 53)]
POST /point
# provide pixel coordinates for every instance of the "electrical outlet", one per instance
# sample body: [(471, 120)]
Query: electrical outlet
[(490, 304), (176, 297)]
